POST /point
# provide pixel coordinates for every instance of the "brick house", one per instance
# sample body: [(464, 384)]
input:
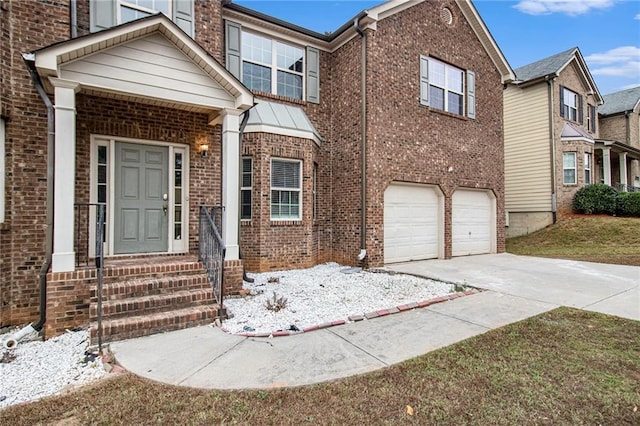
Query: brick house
[(380, 142), (551, 128), (619, 143)]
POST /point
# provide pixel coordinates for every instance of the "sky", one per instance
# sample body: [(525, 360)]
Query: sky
[(606, 31)]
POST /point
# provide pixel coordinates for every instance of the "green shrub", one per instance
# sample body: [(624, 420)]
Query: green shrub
[(596, 199), (628, 204)]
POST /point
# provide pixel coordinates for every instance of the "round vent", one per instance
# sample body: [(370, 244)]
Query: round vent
[(446, 16)]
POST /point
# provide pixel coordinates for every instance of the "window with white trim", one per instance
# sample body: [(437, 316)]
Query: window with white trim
[(2, 170), (570, 102), (272, 66), (286, 189), (246, 188), (592, 118), (130, 10), (444, 87), (569, 168), (587, 168)]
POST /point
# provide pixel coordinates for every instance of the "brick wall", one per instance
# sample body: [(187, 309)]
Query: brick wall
[(614, 128)]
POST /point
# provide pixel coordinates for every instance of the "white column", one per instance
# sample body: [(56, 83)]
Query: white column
[(606, 165), (64, 257), (623, 170), (231, 182)]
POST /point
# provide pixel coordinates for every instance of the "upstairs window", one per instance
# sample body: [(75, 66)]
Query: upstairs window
[(442, 87), (130, 10), (569, 168), (570, 105), (591, 118), (286, 189), (271, 66)]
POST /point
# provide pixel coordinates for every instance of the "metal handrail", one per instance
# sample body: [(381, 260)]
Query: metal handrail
[(211, 252)]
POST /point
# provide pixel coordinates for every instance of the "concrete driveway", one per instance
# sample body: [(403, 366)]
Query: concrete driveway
[(610, 289)]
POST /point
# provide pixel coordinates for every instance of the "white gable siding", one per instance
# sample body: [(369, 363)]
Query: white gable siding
[(527, 149), (151, 67)]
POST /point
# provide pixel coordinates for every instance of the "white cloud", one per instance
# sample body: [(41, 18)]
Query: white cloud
[(622, 61), (569, 7), (637, 17)]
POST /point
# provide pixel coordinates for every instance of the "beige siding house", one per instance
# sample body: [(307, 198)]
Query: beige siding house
[(550, 115)]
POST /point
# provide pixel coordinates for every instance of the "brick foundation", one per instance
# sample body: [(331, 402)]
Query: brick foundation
[(68, 300), (232, 277)]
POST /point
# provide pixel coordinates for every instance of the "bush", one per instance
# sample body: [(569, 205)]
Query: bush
[(628, 204), (596, 199)]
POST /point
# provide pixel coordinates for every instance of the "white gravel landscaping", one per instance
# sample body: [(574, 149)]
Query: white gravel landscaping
[(35, 369), (324, 294)]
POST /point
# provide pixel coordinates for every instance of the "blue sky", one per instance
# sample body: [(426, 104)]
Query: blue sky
[(606, 31)]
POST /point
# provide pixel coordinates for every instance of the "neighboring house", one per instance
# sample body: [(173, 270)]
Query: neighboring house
[(618, 152), (551, 128), (381, 142)]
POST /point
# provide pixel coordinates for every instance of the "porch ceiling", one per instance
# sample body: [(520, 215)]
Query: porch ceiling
[(149, 60)]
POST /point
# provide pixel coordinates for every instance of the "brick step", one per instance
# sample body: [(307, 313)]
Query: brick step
[(143, 325), (151, 304), (157, 267), (152, 286)]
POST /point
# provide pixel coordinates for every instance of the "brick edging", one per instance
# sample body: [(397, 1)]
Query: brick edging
[(368, 315)]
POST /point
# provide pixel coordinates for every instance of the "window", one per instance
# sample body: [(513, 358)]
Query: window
[(315, 191), (570, 105), (2, 171), (569, 168), (178, 184), (591, 118), (272, 66), (286, 186), (245, 189), (130, 10), (587, 168), (442, 87)]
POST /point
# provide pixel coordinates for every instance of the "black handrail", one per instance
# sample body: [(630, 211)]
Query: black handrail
[(211, 253)]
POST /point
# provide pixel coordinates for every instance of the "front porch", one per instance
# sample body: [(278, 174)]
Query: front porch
[(617, 165)]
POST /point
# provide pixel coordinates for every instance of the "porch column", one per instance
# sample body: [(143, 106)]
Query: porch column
[(231, 182), (623, 170), (64, 257), (606, 166)]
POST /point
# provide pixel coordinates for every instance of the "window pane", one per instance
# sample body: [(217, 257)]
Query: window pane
[(454, 79), (256, 77), (569, 176), (289, 85), (256, 48), (102, 155), (436, 73), (289, 57), (177, 231), (285, 174), (128, 14), (436, 97), (455, 103), (569, 160), (245, 210), (102, 193)]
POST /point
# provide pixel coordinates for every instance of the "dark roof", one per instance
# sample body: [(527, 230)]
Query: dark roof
[(625, 100), (545, 66)]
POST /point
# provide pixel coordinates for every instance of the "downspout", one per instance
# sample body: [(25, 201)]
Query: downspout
[(552, 138), (73, 17), (243, 124), (363, 140), (29, 60)]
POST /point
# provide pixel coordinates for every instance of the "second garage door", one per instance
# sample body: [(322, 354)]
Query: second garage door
[(411, 223), (472, 222)]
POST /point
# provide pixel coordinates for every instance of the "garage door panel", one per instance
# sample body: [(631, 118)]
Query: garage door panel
[(472, 222), (410, 223)]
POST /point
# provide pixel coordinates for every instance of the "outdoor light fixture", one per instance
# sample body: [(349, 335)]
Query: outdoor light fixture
[(204, 150)]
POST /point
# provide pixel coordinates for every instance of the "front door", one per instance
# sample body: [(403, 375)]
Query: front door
[(140, 198)]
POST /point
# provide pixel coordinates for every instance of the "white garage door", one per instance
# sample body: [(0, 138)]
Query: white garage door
[(411, 223), (472, 222)]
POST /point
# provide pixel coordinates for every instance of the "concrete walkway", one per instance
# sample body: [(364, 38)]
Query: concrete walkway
[(520, 287)]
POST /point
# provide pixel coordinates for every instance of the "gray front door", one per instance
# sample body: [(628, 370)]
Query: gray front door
[(141, 189)]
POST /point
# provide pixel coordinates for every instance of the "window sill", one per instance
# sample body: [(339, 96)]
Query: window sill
[(272, 96), (296, 222), (246, 222), (446, 113)]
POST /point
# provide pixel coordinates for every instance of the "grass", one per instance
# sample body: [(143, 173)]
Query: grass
[(604, 239), (562, 367)]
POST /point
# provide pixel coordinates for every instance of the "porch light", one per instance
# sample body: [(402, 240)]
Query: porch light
[(204, 149)]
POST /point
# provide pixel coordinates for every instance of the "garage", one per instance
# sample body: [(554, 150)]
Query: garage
[(473, 222), (412, 222)]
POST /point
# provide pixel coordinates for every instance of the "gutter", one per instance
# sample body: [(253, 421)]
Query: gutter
[(363, 141), (73, 17), (29, 59)]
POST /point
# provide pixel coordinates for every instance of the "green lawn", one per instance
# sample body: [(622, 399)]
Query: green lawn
[(604, 239), (562, 367)]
